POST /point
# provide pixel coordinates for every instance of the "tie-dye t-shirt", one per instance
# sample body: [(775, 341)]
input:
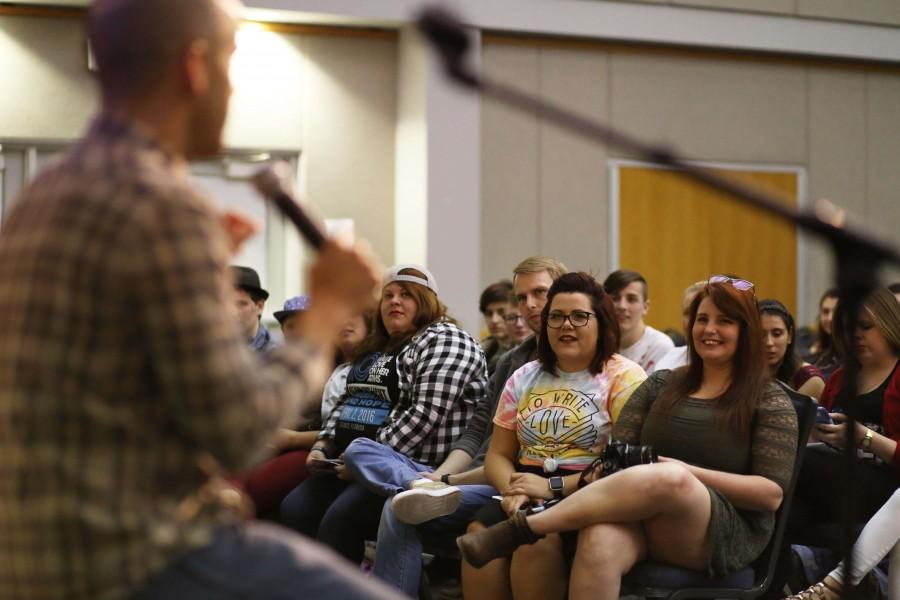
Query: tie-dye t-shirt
[(565, 416)]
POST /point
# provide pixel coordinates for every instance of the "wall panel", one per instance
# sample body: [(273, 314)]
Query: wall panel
[(768, 6), (712, 109), (47, 89), (883, 153), (510, 150), (840, 122), (870, 11), (573, 174), (837, 159), (349, 119)]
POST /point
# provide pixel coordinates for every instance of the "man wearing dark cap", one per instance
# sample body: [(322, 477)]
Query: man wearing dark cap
[(126, 386), (250, 301)]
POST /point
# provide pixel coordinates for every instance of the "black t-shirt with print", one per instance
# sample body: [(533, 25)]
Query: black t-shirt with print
[(373, 386)]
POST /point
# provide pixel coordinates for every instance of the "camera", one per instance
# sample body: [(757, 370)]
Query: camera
[(619, 455)]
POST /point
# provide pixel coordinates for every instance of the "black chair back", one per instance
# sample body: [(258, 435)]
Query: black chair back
[(806, 417)]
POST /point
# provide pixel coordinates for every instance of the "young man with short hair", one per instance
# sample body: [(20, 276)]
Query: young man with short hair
[(639, 342), (492, 304)]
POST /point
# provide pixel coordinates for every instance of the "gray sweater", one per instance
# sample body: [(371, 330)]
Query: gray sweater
[(477, 437)]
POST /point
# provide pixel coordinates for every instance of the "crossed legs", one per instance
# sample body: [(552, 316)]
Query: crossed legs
[(659, 511)]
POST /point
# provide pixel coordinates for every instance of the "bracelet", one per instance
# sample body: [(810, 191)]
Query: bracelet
[(445, 478), (318, 449)]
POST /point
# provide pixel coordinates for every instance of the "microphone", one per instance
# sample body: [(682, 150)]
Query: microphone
[(270, 182), (448, 36)]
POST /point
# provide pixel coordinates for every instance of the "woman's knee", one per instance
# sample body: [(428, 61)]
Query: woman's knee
[(665, 482), (608, 547), (546, 549), (361, 448)]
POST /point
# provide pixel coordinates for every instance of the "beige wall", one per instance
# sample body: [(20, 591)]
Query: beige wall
[(349, 123), (331, 97), (839, 123), (47, 89), (336, 99), (886, 12), (539, 185)]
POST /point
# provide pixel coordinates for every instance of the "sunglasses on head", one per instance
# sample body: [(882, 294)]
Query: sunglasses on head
[(739, 284)]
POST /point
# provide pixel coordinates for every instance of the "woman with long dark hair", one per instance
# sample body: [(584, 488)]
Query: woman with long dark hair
[(824, 355), (727, 440), (782, 359)]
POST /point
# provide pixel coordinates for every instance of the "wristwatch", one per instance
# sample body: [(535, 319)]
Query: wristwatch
[(556, 486), (866, 442), (445, 478)]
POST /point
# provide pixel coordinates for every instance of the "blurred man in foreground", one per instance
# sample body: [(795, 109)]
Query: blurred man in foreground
[(126, 385)]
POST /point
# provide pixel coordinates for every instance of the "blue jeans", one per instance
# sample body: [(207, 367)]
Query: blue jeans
[(379, 469), (261, 560), (398, 555), (340, 514)]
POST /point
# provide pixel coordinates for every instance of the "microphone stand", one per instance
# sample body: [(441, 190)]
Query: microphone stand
[(858, 255)]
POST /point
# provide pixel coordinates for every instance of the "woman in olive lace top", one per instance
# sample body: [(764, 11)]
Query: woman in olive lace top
[(727, 440)]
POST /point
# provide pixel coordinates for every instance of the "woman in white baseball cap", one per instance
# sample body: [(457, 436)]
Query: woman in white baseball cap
[(410, 394)]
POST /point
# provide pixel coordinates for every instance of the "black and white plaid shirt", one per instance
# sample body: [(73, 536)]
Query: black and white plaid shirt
[(123, 375), (442, 377)]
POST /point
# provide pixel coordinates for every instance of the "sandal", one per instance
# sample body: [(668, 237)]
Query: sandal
[(817, 591)]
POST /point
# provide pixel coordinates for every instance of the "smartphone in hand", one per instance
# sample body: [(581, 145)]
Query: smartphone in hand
[(822, 416), (531, 508), (327, 464)]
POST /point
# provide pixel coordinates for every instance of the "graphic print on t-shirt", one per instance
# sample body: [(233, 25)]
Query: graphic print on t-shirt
[(371, 385), (556, 420), (565, 416)]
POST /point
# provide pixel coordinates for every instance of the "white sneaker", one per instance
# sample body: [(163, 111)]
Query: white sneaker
[(425, 500)]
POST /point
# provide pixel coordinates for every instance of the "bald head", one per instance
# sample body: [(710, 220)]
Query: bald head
[(137, 43)]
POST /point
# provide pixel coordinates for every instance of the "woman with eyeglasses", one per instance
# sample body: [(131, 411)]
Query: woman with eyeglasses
[(553, 416), (781, 357), (726, 438)]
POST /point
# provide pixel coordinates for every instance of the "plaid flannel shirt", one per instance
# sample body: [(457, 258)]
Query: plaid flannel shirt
[(124, 379), (442, 377)]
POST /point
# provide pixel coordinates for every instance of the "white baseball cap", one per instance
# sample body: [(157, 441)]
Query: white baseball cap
[(393, 275)]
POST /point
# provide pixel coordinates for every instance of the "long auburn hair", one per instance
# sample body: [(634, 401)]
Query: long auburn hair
[(791, 362), (429, 309), (601, 305), (749, 374)]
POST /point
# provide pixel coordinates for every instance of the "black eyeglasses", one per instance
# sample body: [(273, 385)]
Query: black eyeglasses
[(578, 318), (513, 318), (739, 284)]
